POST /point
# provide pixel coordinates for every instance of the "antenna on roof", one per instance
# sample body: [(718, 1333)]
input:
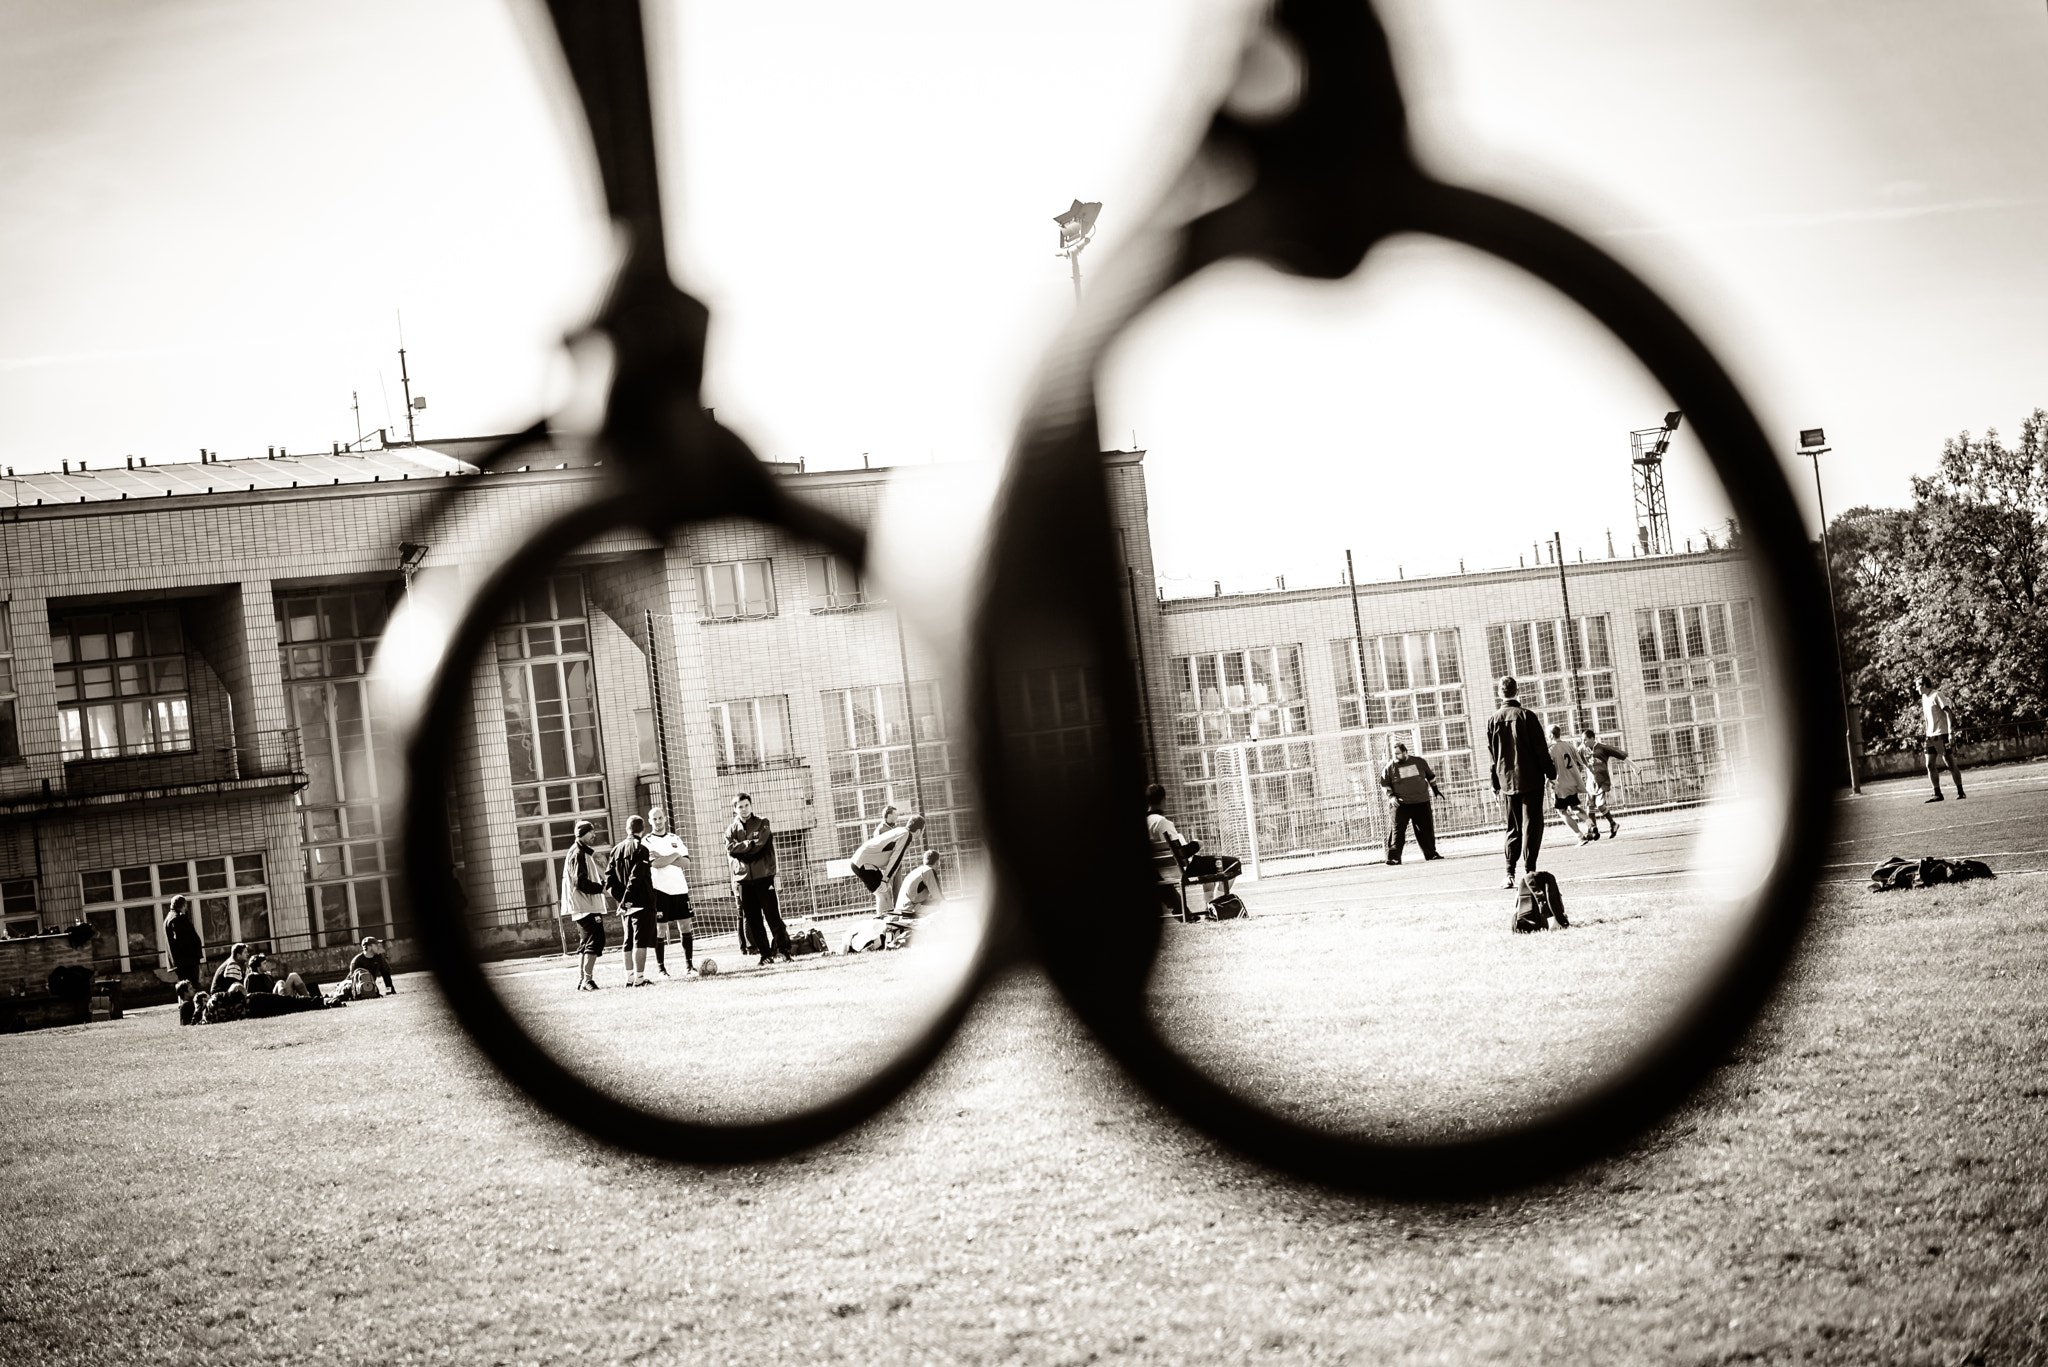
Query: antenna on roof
[(412, 405)]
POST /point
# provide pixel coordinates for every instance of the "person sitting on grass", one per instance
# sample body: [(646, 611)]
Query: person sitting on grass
[(373, 962), (231, 973), (232, 1004), (191, 1003), (270, 994)]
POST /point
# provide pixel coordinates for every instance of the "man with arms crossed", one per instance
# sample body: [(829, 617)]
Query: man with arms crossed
[(583, 903), (1940, 724), (1599, 782), (1520, 765), (750, 845)]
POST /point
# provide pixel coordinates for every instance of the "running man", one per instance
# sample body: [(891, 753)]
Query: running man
[(1599, 782), (1940, 727), (1568, 785)]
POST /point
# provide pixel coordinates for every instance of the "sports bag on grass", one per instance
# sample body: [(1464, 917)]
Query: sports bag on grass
[(1538, 902), (1228, 907)]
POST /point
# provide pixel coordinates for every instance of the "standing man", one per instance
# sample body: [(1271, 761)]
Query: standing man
[(1569, 785), (583, 903), (671, 892), (750, 845), (1940, 726), (883, 858), (188, 951), (1599, 782), (1409, 781), (1520, 765), (630, 881)]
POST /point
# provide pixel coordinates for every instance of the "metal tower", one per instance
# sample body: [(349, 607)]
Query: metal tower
[(1653, 518)]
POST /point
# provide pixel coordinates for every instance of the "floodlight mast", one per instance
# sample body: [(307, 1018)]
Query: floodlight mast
[(1653, 515), (1813, 442), (1077, 230)]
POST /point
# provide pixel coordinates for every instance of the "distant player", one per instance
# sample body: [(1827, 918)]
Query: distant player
[(1409, 781), (882, 860), (1934, 709), (1599, 782), (1569, 784)]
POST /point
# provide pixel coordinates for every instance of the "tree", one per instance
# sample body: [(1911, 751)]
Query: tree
[(1956, 588)]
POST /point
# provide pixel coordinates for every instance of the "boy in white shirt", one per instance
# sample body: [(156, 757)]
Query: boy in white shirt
[(671, 892), (1940, 721)]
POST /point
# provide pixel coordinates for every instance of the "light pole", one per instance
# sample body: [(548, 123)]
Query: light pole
[(1077, 230), (1813, 442)]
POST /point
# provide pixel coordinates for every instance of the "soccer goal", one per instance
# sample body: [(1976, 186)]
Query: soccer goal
[(1300, 802)]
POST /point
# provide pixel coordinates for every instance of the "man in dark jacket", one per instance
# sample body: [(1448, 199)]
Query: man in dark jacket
[(1409, 781), (629, 878), (1520, 753), (750, 845), (188, 952)]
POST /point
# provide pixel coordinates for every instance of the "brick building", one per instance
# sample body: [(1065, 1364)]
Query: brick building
[(185, 702)]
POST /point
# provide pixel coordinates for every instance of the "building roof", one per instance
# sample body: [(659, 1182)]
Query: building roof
[(113, 483)]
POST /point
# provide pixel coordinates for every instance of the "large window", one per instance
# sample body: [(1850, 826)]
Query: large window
[(1701, 680), (736, 588), (347, 812), (833, 582), (551, 731), (751, 732), (873, 764), (231, 902), (1250, 698), (10, 726), (1413, 692), (1566, 671), (121, 686), (18, 913)]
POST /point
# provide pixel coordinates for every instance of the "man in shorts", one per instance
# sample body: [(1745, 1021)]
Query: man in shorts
[(583, 903), (671, 892), (1568, 785), (630, 881), (1934, 710), (1599, 782), (883, 859)]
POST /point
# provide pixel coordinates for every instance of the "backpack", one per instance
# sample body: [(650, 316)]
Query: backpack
[(1228, 907), (1538, 901)]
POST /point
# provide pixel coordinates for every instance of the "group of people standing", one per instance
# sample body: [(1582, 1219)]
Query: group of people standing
[(643, 875), (1533, 777)]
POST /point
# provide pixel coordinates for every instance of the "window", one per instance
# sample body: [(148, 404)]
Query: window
[(1701, 681), (347, 818), (10, 726), (121, 687), (1412, 694), (833, 582), (230, 902), (1564, 668), (18, 915), (873, 763), (1242, 698), (549, 688), (750, 732), (736, 588)]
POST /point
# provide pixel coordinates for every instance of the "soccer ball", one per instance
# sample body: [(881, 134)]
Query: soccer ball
[(707, 968)]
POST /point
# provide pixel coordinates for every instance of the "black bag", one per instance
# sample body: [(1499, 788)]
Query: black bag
[(1538, 902), (1228, 907)]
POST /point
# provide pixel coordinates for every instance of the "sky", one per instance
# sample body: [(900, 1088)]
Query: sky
[(213, 216)]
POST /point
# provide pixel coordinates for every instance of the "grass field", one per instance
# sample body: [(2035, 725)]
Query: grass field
[(1867, 1181)]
